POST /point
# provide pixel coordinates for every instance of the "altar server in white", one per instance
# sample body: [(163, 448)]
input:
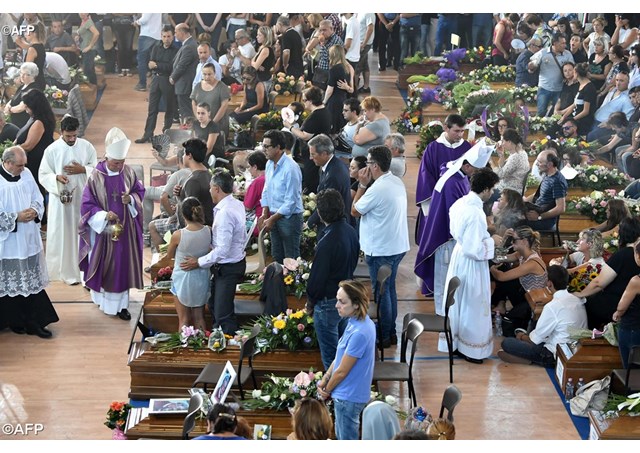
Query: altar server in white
[(470, 316), (65, 167)]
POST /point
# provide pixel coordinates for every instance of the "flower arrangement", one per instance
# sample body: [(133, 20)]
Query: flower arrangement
[(217, 340), (581, 278), (296, 274), (188, 336), (281, 393), (611, 243), (117, 415), (491, 105), (419, 58), (4, 145), (428, 133), (477, 100), (56, 97), (477, 54), (285, 84), (594, 205), (455, 57), (526, 93), (77, 75), (270, 120), (622, 405), (239, 186), (597, 177), (542, 123), (492, 73), (292, 330), (164, 274)]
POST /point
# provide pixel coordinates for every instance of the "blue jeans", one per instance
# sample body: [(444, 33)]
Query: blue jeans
[(329, 327), (546, 99), (145, 43), (537, 353), (409, 41), (633, 190), (347, 416), (285, 238), (627, 338), (424, 38), (389, 302), (447, 24), (89, 66)]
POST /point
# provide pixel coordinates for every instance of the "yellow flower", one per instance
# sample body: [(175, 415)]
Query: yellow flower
[(543, 141), (593, 275), (279, 324), (263, 115), (414, 120), (297, 315), (288, 279), (503, 68), (216, 344)]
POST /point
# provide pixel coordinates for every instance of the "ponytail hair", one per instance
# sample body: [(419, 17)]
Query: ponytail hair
[(192, 210)]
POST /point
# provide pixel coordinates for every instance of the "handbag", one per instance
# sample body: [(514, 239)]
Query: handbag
[(537, 298), (592, 396), (321, 78)]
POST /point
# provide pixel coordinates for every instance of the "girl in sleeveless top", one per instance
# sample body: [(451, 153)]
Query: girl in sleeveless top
[(529, 274), (191, 288)]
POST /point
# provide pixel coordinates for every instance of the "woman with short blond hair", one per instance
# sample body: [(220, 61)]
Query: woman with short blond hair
[(372, 129)]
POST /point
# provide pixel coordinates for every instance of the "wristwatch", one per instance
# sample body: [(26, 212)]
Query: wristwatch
[(539, 217)]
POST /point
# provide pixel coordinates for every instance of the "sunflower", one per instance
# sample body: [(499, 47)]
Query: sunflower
[(279, 324), (593, 275), (288, 279)]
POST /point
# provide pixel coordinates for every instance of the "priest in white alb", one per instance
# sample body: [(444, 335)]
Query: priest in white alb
[(110, 229), (64, 170), (470, 315)]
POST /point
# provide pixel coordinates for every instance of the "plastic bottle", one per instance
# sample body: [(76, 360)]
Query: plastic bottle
[(580, 384), (568, 389), (498, 322)]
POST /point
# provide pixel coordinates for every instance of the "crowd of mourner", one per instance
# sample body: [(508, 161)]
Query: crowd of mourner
[(70, 216)]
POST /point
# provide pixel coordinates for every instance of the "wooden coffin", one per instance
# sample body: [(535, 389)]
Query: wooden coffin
[(591, 359), (169, 426), (171, 374), (618, 428), (89, 94), (415, 69)]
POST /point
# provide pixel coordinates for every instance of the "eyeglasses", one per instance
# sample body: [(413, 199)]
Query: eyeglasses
[(268, 145), (566, 128)]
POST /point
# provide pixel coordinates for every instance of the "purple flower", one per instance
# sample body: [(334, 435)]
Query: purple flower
[(446, 75), (307, 340), (429, 95)]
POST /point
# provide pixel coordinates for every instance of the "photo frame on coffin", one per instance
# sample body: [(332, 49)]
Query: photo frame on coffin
[(225, 382), (168, 406)]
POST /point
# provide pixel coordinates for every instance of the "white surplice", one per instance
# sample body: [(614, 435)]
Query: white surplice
[(470, 316), (62, 226)]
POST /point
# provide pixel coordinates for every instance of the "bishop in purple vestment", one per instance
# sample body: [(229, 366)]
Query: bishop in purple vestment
[(113, 196)]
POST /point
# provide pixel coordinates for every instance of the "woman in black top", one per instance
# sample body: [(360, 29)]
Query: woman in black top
[(583, 108), (208, 131), (599, 64), (265, 58), (334, 97), (15, 107), (604, 292), (255, 97), (627, 314), (36, 53)]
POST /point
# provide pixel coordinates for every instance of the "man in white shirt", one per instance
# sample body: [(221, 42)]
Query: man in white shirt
[(150, 29), (395, 142), (367, 27), (56, 68), (227, 257), (564, 312), (204, 56), (352, 39), (246, 51)]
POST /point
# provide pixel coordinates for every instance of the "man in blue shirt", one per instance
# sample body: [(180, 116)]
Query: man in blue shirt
[(281, 198), (549, 199)]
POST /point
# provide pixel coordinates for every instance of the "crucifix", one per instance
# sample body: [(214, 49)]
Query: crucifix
[(115, 195)]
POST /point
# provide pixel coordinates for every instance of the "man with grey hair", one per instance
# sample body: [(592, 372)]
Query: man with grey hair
[(184, 70), (291, 45), (395, 142), (334, 174), (326, 39), (246, 51), (24, 304), (227, 257)]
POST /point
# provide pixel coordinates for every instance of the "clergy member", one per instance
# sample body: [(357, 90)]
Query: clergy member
[(446, 148), (111, 229), (435, 250), (24, 304), (65, 168), (470, 316)]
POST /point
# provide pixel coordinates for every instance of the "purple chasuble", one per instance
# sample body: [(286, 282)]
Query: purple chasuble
[(114, 266), (435, 155), (436, 226)]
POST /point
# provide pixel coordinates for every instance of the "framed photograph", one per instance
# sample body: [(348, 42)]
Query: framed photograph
[(225, 382), (169, 406), (262, 432)]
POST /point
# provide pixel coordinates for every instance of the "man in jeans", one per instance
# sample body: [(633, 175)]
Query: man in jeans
[(565, 312), (550, 61), (336, 259), (384, 234), (281, 198), (150, 30), (409, 35)]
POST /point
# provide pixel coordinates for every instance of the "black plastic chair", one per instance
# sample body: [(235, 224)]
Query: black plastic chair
[(212, 372), (401, 371), (450, 399), (384, 272), (630, 377), (436, 323), (195, 404)]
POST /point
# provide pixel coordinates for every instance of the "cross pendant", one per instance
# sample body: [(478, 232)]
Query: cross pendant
[(115, 195)]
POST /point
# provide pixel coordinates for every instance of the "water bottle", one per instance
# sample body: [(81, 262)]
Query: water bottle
[(568, 389), (498, 323), (580, 384)]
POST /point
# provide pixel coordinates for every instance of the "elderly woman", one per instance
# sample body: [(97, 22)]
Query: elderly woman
[(373, 129), (599, 63), (531, 273), (598, 32), (16, 108), (604, 292), (348, 379), (512, 170)]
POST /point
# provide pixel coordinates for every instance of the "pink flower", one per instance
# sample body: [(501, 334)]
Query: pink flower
[(302, 379), (603, 204), (301, 327), (303, 393), (290, 264)]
